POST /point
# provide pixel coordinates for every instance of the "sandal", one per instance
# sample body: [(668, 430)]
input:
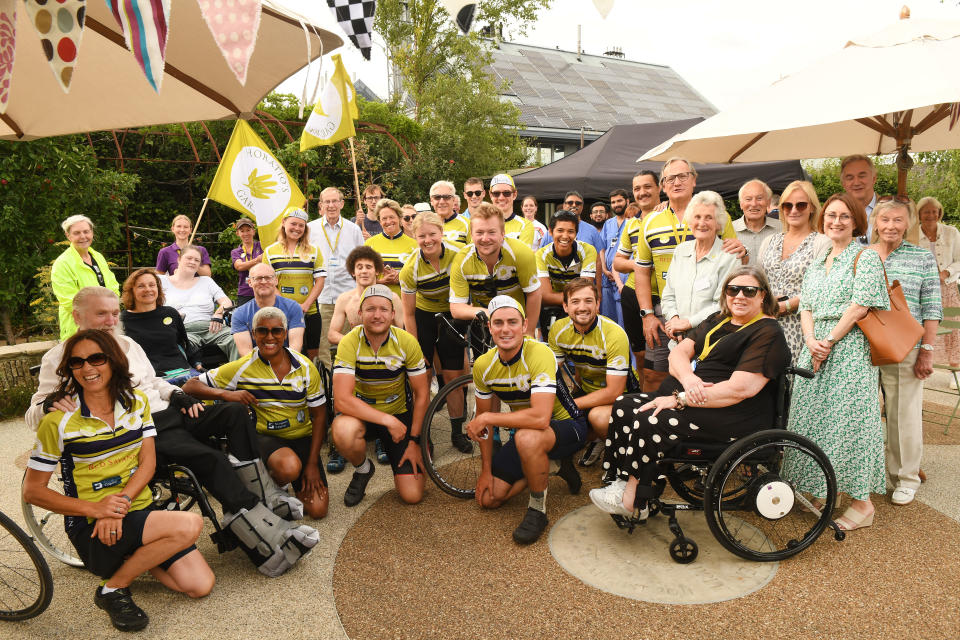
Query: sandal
[(853, 519)]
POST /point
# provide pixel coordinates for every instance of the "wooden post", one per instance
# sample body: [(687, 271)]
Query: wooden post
[(197, 224), (356, 186)]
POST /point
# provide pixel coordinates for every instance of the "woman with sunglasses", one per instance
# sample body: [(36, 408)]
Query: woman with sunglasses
[(284, 390), (157, 328), (409, 214), (105, 449), (839, 408), (943, 241), (722, 386), (786, 255)]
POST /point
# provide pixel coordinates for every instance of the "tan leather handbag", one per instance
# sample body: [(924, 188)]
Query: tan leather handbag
[(893, 333)]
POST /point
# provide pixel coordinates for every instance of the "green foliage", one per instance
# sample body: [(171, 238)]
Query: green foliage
[(15, 401), (42, 183)]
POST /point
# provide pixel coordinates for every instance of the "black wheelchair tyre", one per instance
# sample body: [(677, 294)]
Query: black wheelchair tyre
[(26, 585), (744, 468), (453, 472)]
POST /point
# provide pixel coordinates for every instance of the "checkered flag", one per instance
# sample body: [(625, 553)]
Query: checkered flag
[(356, 20)]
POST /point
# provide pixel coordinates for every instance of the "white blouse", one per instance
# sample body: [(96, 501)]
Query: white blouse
[(195, 304), (946, 249)]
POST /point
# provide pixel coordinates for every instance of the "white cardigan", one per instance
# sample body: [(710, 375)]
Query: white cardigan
[(946, 249)]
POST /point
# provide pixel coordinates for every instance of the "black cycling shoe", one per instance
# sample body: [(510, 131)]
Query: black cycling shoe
[(358, 486), (461, 442), (336, 463), (570, 475), (124, 613), (530, 528)]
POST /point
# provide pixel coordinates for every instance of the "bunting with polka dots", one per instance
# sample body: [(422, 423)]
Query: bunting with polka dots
[(234, 25), (60, 25)]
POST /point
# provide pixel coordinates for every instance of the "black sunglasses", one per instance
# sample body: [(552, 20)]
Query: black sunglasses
[(408, 218), (748, 291), (262, 332), (787, 207), (473, 194), (573, 203), (97, 359)]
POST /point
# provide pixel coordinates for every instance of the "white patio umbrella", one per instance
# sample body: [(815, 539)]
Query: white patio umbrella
[(109, 90), (892, 91)]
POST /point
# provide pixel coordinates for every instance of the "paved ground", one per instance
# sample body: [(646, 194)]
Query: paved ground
[(447, 569)]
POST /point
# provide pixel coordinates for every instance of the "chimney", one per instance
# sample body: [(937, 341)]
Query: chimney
[(579, 49)]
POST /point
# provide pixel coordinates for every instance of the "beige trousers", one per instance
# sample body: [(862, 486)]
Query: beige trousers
[(326, 312), (904, 402)]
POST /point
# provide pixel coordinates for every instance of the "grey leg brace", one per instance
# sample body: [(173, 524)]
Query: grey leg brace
[(272, 544), (259, 482)]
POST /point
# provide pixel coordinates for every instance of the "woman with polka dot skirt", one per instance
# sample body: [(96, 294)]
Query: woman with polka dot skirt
[(722, 386)]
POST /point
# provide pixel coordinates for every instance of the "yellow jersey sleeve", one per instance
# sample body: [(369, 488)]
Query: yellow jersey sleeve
[(459, 289)]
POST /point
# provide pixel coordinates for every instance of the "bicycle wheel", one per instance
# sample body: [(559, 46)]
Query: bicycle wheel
[(26, 586), (47, 528), (455, 472)]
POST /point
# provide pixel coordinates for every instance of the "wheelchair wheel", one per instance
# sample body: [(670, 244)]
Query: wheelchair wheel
[(455, 472), (26, 586), (48, 529), (766, 522), (687, 480)]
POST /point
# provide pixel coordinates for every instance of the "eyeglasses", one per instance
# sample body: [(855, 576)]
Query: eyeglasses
[(262, 278), (408, 218), (787, 207), (442, 196), (573, 203), (371, 198), (473, 194), (97, 359), (679, 177), (501, 194), (262, 332), (843, 217), (901, 199), (748, 291)]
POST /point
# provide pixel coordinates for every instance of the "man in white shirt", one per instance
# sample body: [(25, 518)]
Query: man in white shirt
[(859, 177), (337, 237), (755, 227)]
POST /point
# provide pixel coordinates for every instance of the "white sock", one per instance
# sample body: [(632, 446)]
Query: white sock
[(104, 589), (365, 467), (554, 467), (538, 500)]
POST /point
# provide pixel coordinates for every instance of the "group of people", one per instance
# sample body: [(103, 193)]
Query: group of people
[(677, 322)]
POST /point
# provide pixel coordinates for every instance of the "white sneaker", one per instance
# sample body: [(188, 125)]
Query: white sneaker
[(609, 499), (903, 495)]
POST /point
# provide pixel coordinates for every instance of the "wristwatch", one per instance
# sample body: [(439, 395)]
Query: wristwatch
[(416, 439), (926, 347), (830, 338), (645, 312)]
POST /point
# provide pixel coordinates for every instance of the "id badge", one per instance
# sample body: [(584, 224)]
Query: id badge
[(334, 262), (106, 482)]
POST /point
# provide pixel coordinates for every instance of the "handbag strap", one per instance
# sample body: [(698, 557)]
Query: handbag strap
[(885, 279)]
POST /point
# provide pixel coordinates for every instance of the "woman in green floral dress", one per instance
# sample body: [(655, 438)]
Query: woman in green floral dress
[(839, 408)]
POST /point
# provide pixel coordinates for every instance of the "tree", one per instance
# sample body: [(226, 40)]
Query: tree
[(42, 183)]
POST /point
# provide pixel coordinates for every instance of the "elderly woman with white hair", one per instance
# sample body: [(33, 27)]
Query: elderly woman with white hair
[(78, 267), (943, 241), (695, 278)]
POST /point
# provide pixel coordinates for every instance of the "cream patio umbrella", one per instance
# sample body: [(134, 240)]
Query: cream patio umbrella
[(890, 92), (109, 90)]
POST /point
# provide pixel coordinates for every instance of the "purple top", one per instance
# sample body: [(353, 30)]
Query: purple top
[(244, 289), (169, 257)]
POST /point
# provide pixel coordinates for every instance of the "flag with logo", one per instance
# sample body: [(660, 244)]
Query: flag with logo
[(332, 117), (252, 181)]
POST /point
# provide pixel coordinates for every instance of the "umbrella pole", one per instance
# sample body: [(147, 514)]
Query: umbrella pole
[(356, 183), (199, 217)]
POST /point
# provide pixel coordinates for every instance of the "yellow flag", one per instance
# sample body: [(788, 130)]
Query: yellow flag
[(252, 181), (332, 117)]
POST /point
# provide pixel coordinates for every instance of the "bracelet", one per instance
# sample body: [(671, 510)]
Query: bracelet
[(126, 497), (415, 439), (681, 398)]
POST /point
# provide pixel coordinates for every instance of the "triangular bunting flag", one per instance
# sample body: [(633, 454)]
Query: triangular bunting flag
[(252, 181), (60, 27), (145, 26), (8, 41), (603, 6), (234, 25), (356, 20), (332, 117)]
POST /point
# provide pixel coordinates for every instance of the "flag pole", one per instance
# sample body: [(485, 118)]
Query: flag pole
[(356, 185), (199, 217)]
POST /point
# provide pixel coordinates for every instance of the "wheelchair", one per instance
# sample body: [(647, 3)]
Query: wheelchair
[(751, 509), (174, 488)]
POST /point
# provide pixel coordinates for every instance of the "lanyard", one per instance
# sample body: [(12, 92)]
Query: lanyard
[(243, 252), (333, 247), (676, 229), (708, 347)]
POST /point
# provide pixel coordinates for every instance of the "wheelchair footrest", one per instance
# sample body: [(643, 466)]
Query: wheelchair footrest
[(224, 539), (631, 523)]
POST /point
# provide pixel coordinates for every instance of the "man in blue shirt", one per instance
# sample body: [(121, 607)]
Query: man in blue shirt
[(610, 237), (573, 201), (263, 281)]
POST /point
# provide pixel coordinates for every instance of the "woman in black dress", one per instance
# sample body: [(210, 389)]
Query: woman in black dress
[(722, 386), (158, 329)]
